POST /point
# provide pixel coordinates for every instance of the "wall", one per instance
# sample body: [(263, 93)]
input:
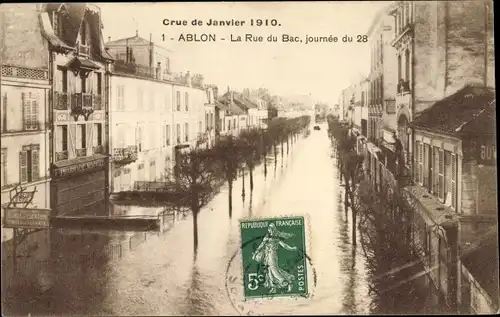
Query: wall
[(21, 40), (449, 49)]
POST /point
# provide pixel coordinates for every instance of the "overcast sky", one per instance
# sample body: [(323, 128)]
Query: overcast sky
[(322, 69)]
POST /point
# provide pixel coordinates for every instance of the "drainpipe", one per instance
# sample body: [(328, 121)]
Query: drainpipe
[(107, 121)]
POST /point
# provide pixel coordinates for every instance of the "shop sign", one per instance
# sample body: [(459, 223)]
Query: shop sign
[(26, 218)]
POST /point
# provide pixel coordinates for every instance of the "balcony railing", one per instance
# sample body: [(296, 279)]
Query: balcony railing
[(98, 149), (85, 104), (124, 156), (81, 152), (61, 101), (61, 156), (201, 139)]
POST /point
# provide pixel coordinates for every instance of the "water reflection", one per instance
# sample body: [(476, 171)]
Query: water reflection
[(154, 274)]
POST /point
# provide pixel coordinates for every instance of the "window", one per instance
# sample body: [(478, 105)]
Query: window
[(186, 100), (186, 131), (178, 100), (98, 83), (399, 68), (178, 133), (61, 138), (29, 163), (441, 175), (152, 170), (98, 134), (407, 65), (435, 170), (420, 162), (229, 125), (120, 97), (138, 138), (81, 141), (167, 134), (140, 99), (3, 166), (30, 110)]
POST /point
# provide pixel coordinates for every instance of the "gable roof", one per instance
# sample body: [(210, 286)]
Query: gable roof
[(471, 110), (240, 100), (232, 108)]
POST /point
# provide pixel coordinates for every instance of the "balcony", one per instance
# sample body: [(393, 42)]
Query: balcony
[(124, 156), (61, 156), (85, 104), (61, 101), (81, 152), (98, 149)]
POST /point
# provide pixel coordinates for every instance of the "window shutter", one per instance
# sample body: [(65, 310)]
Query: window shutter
[(421, 163), (88, 139), (34, 113), (441, 174), (453, 181), (435, 169), (35, 163), (72, 138), (23, 166)]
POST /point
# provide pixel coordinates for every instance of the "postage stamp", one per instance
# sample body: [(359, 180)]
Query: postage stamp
[(273, 253)]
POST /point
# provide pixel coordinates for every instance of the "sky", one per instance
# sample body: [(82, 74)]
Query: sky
[(320, 69)]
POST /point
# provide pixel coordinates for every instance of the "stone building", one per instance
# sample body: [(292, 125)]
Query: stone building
[(24, 106), (382, 78), (79, 66), (153, 112)]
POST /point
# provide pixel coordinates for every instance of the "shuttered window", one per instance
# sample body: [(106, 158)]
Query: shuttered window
[(441, 175), (453, 181), (30, 110), (178, 100), (425, 177), (186, 100), (29, 163), (186, 131), (435, 170)]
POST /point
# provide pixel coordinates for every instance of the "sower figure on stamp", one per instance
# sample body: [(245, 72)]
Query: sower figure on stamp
[(267, 254)]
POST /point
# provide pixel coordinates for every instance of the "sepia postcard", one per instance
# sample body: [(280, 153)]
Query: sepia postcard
[(248, 158)]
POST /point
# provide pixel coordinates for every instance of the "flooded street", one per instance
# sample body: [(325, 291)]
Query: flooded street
[(154, 274)]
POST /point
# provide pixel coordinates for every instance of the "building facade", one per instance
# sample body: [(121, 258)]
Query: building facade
[(79, 66), (24, 106), (382, 79), (152, 113)]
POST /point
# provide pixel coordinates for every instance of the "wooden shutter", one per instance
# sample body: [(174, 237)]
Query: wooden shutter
[(34, 112), (23, 166), (35, 162), (453, 181), (88, 138), (72, 137), (435, 170), (441, 174), (421, 163)]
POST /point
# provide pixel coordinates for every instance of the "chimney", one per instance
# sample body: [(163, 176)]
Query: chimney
[(216, 92), (136, 33), (109, 38)]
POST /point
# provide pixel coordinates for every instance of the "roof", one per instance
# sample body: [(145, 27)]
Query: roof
[(471, 110), (482, 263), (241, 101), (78, 62), (130, 41), (228, 106)]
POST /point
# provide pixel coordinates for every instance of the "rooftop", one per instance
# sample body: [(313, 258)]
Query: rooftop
[(471, 110)]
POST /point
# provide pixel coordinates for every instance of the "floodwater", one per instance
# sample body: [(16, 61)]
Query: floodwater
[(154, 273)]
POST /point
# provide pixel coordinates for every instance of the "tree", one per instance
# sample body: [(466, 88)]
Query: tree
[(197, 179), (250, 150), (228, 154)]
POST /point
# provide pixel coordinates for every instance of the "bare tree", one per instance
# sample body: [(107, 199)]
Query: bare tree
[(228, 154), (197, 179), (250, 150)]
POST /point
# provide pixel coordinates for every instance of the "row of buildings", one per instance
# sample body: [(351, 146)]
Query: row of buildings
[(431, 85), (82, 118)]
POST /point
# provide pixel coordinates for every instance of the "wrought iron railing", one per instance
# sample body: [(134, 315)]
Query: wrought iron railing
[(61, 101), (81, 152), (125, 155), (61, 156), (85, 104), (98, 149)]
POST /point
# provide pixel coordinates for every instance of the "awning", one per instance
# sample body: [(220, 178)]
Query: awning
[(81, 63)]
